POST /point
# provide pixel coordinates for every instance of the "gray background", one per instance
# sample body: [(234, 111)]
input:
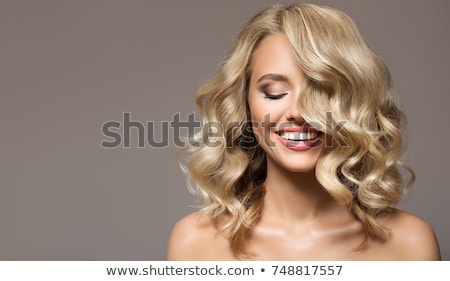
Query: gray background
[(66, 67)]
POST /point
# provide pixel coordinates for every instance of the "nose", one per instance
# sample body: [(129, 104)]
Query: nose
[(293, 112)]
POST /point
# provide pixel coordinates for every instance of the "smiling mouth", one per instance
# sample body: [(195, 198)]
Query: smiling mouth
[(299, 139)]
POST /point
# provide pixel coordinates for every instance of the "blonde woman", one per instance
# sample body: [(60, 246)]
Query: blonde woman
[(299, 157)]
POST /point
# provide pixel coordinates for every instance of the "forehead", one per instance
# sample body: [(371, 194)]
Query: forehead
[(274, 55)]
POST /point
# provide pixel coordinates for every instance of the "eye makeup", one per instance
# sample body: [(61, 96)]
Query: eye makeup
[(273, 92)]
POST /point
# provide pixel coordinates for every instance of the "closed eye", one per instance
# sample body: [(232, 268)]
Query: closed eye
[(274, 97)]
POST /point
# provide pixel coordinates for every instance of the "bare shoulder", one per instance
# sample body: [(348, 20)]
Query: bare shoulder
[(412, 238), (194, 237)]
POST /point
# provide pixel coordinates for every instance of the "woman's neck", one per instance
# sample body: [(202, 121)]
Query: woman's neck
[(292, 196)]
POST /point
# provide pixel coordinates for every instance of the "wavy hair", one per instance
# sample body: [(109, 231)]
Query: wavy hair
[(226, 167)]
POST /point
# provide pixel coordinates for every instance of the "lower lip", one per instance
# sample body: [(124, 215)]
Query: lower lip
[(300, 145)]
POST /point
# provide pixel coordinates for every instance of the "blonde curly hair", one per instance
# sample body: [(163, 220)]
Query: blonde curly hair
[(343, 76)]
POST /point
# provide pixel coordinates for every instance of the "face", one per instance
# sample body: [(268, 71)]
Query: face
[(275, 84)]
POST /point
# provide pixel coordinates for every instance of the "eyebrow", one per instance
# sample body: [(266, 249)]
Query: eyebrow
[(272, 76)]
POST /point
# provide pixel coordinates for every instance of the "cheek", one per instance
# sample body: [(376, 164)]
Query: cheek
[(257, 111), (263, 111), (262, 123)]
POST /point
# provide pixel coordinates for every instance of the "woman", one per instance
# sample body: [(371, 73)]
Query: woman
[(299, 157)]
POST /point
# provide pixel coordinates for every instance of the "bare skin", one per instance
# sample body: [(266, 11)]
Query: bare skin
[(299, 219)]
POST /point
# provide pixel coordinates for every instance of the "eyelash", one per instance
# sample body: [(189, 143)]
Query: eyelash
[(273, 97)]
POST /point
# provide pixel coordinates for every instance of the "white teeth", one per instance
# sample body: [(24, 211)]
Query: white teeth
[(298, 136)]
